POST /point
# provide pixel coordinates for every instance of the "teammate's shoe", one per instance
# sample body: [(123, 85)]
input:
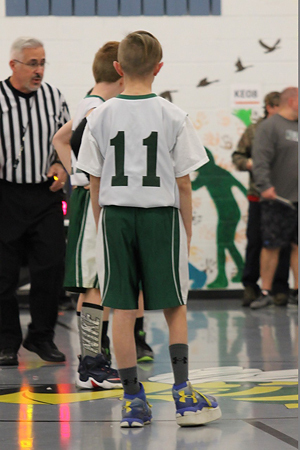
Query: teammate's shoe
[(193, 408), (105, 348), (144, 352), (136, 411), (95, 372)]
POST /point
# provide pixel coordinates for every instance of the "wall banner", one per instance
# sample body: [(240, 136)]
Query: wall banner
[(246, 96)]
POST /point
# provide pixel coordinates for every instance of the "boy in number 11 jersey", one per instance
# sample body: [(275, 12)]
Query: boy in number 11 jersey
[(139, 151)]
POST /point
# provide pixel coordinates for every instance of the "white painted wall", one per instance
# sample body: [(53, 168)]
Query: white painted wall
[(194, 48)]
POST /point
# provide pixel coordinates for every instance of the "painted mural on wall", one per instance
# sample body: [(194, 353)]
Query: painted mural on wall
[(219, 183), (219, 204), (219, 201), (198, 77)]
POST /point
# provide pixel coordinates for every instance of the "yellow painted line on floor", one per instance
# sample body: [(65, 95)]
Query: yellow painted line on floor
[(279, 398), (28, 397), (257, 390), (155, 391), (291, 405)]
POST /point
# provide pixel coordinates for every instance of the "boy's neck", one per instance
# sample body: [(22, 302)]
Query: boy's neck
[(137, 86), (106, 90)]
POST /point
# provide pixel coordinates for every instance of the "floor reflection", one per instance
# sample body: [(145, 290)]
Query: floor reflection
[(247, 359)]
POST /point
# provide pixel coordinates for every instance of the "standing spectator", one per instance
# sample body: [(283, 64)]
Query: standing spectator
[(31, 219), (242, 159), (275, 170)]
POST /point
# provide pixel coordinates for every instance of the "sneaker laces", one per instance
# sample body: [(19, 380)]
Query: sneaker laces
[(100, 361), (104, 365), (124, 398), (96, 362), (203, 396)]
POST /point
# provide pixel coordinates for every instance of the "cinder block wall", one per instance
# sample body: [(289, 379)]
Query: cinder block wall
[(195, 48)]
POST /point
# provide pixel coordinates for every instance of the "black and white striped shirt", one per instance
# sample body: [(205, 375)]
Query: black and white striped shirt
[(35, 117)]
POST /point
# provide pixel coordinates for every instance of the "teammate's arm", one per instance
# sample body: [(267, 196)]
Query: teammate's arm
[(185, 195), (61, 142)]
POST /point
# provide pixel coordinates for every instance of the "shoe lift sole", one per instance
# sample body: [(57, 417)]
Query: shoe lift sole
[(92, 384), (206, 415)]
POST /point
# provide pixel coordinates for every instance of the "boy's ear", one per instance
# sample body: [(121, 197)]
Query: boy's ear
[(118, 68), (157, 68)]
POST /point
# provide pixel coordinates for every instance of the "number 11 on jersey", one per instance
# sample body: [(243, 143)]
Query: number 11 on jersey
[(120, 179)]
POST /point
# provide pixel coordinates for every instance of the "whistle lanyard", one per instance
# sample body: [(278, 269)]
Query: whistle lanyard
[(17, 160)]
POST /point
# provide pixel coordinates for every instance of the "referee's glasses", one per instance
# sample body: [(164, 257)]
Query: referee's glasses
[(32, 64)]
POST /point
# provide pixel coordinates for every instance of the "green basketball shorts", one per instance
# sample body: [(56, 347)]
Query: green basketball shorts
[(147, 245), (80, 266)]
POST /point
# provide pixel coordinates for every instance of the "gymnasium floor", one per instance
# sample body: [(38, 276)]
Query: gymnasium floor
[(247, 359)]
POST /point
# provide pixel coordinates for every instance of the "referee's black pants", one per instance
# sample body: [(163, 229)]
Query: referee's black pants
[(31, 220)]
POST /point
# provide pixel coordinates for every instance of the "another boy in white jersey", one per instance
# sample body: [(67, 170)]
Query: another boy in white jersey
[(94, 369), (139, 151)]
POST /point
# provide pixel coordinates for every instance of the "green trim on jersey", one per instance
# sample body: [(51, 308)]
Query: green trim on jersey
[(97, 96), (136, 97)]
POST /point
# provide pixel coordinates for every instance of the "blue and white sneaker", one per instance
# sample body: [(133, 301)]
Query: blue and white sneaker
[(136, 411), (95, 372), (193, 408)]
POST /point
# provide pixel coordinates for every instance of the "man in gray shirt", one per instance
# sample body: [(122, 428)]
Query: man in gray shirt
[(275, 171)]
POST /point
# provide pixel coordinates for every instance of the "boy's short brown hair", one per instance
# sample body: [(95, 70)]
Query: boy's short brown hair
[(103, 69), (139, 53)]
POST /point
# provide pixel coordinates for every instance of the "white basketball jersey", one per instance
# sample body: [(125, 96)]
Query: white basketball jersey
[(138, 145), (84, 106)]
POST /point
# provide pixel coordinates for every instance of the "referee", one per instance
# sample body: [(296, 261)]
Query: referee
[(31, 219)]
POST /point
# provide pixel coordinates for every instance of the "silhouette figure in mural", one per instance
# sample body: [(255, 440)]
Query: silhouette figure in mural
[(219, 183), (270, 49)]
